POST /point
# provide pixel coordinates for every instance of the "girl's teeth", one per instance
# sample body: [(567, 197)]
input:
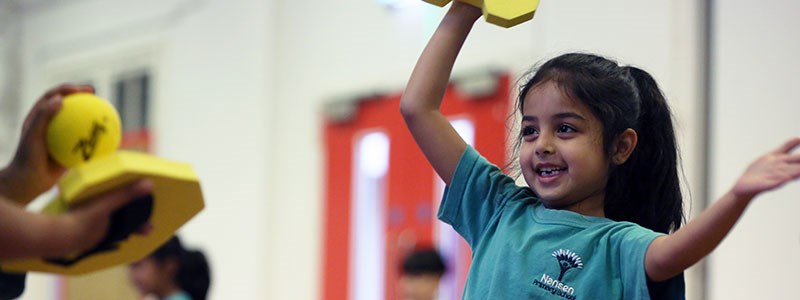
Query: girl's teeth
[(550, 171)]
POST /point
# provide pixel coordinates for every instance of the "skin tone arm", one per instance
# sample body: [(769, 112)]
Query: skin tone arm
[(26, 234), (669, 255), (32, 172), (422, 98)]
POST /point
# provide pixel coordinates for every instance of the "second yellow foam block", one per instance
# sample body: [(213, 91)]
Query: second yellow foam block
[(505, 13)]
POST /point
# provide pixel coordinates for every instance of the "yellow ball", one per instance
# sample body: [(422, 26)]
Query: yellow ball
[(86, 127)]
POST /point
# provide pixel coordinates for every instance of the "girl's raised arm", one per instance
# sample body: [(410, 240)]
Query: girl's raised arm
[(422, 98), (669, 255)]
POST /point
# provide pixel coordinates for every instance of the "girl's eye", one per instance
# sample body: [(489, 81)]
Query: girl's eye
[(526, 131), (566, 128)]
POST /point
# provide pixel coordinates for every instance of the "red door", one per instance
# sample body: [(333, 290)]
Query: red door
[(382, 195)]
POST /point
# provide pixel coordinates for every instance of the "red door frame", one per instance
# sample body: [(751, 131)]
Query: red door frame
[(409, 178)]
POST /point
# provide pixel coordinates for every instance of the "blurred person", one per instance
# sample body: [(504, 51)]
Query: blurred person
[(422, 271), (172, 272)]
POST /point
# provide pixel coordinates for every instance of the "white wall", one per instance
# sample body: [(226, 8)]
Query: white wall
[(240, 97), (755, 105), (216, 91), (9, 37)]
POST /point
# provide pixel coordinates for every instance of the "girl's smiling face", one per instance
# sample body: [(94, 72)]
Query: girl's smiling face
[(561, 156)]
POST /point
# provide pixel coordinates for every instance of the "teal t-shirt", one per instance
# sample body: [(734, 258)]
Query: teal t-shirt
[(179, 296), (523, 250)]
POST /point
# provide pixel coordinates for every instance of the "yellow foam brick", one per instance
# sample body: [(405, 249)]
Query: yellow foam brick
[(177, 198), (505, 13)]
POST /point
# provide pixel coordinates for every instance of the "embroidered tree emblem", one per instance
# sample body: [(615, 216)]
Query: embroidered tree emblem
[(567, 260)]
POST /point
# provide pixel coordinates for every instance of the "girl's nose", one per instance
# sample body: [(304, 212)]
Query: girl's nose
[(544, 145)]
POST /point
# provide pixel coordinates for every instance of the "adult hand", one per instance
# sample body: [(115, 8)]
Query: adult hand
[(32, 171), (85, 225)]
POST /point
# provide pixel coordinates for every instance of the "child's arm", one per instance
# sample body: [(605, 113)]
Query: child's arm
[(25, 234), (669, 255), (420, 103)]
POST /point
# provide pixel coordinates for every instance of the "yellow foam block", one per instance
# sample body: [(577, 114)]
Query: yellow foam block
[(177, 198), (504, 13)]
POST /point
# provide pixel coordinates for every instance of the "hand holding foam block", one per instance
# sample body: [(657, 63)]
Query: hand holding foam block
[(505, 13), (176, 199), (84, 136)]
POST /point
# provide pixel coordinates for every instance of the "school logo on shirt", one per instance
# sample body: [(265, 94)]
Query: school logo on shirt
[(567, 260)]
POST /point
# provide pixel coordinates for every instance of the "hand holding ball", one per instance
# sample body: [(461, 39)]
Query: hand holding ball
[(86, 127)]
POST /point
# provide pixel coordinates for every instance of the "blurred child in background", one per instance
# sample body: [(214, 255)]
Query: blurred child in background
[(172, 272), (421, 272)]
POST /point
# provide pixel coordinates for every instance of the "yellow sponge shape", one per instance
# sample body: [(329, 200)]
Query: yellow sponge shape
[(176, 198), (504, 13)]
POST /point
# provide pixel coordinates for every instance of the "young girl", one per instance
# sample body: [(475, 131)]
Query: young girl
[(601, 216), (172, 273)]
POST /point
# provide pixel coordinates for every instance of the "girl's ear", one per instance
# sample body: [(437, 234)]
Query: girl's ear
[(170, 266), (623, 146)]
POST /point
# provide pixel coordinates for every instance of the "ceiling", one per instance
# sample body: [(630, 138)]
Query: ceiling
[(26, 5)]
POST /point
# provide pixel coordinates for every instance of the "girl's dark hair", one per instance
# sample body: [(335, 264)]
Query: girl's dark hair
[(646, 188), (194, 275)]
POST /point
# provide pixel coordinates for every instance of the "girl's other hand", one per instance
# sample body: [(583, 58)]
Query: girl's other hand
[(770, 171)]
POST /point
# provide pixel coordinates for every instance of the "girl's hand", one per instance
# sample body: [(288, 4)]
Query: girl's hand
[(469, 12), (770, 171), (669, 255), (32, 171)]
